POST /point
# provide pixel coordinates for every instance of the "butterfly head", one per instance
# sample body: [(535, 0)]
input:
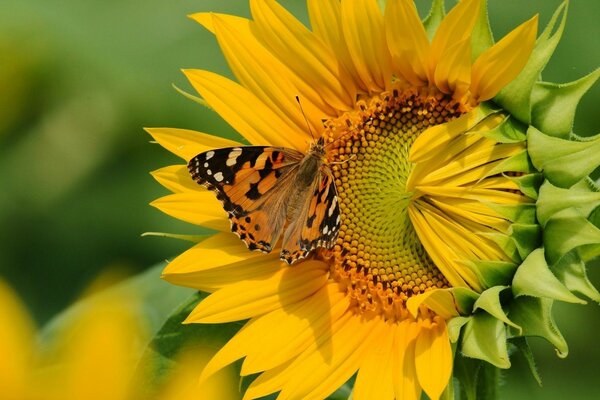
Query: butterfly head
[(317, 148)]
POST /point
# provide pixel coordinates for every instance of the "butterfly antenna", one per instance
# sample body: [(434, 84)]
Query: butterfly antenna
[(305, 119)]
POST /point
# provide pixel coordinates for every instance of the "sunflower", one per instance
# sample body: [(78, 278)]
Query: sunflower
[(443, 147)]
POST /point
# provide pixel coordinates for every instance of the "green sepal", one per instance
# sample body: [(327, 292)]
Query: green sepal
[(190, 96), (467, 372), (523, 346), (437, 12), (506, 243), (489, 301), (492, 273), (524, 213), (554, 105), (481, 38), (520, 162), (516, 96), (464, 299), (454, 327), (509, 131), (569, 230), (534, 316), (187, 238), (534, 278), (571, 271), (553, 199), (564, 162), (484, 338), (528, 184), (527, 237)]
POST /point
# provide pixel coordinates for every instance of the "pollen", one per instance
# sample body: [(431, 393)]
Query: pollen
[(378, 256)]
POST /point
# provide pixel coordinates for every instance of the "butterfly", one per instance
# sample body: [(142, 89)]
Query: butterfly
[(270, 191)]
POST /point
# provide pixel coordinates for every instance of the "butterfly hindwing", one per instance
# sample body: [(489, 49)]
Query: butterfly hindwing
[(251, 182), (318, 222)]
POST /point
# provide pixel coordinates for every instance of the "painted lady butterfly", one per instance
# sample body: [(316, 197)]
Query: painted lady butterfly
[(264, 188)]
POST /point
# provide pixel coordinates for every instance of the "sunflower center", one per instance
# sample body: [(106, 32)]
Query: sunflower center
[(378, 255)]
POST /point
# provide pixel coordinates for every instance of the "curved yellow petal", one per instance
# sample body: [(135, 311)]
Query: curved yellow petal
[(187, 144), (206, 19), (289, 40), (407, 41), (406, 384), (362, 25), (437, 300), (455, 28), (375, 376), (177, 179), (199, 208), (245, 299), (16, 344), (501, 63), (433, 359), (245, 112), (326, 22)]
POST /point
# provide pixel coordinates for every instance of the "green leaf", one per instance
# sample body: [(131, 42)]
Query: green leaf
[(523, 346), (534, 278), (481, 38), (506, 243), (564, 162), (519, 213), (484, 338), (520, 162), (467, 371), (553, 200), (464, 299), (157, 298), (173, 338), (554, 105), (434, 18), (534, 316), (509, 131), (454, 327), (516, 96), (489, 301), (569, 230)]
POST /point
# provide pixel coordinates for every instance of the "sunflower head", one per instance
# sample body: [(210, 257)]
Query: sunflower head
[(442, 146)]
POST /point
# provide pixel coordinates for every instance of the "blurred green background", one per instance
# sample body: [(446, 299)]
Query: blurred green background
[(79, 80)]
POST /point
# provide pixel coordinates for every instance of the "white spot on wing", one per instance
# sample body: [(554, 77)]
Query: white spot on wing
[(208, 172), (205, 165), (233, 155), (218, 176), (209, 154), (332, 207)]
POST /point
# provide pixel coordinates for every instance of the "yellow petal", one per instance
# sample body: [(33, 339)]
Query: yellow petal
[(406, 385), (249, 298), (199, 208), (438, 300), (16, 344), (245, 112), (314, 105), (289, 40), (453, 70), (362, 25), (326, 22), (187, 144), (218, 261), (455, 28), (407, 41), (177, 179), (374, 379), (501, 63), (433, 359), (268, 78), (277, 337)]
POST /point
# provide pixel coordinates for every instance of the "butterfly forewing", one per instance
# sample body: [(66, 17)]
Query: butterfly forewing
[(251, 183)]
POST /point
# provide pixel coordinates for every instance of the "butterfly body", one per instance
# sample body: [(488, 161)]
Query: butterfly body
[(270, 191)]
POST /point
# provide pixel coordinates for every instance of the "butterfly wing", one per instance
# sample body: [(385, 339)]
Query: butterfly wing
[(252, 183), (317, 224)]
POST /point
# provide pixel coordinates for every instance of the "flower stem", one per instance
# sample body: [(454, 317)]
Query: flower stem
[(489, 383)]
